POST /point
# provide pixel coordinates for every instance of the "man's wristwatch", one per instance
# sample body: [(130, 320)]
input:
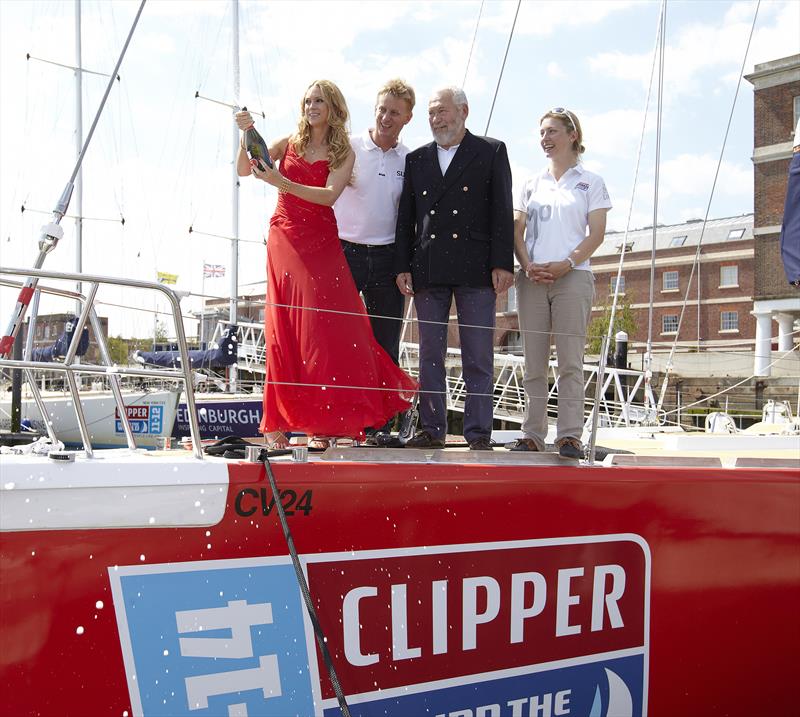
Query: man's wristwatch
[(570, 262)]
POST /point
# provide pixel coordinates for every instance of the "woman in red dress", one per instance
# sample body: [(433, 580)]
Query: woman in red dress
[(326, 374)]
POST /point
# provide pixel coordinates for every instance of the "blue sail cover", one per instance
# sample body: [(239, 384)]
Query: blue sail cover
[(790, 233), (224, 355), (58, 350)]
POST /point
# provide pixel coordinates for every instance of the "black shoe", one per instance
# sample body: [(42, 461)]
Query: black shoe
[(523, 444), (423, 439), (387, 440), (481, 444), (569, 447)]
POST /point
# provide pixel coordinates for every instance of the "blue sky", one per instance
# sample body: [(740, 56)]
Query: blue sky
[(163, 159)]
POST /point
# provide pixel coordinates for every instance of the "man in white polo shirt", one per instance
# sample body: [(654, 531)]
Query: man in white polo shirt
[(366, 212)]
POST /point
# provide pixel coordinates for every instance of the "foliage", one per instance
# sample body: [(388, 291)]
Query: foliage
[(121, 349), (624, 320)]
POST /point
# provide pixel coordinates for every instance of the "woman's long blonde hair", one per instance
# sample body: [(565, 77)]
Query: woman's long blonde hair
[(338, 130)]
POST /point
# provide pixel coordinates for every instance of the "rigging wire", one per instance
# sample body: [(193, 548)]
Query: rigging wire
[(471, 47), (661, 46), (696, 262), (615, 298), (502, 67)]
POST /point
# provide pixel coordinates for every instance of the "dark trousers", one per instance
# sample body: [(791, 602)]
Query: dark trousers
[(373, 272), (476, 308), (372, 268)]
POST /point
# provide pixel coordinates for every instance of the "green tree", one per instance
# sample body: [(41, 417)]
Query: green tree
[(118, 348), (624, 320)]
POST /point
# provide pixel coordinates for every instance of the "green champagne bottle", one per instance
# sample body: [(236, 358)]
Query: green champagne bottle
[(256, 147)]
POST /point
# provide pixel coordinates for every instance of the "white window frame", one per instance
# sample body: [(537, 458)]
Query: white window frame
[(678, 241), (512, 299), (795, 112), (723, 282), (664, 329), (729, 322), (514, 347), (612, 282), (666, 289), (738, 232)]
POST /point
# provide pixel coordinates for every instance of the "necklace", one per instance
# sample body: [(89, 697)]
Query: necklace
[(313, 150)]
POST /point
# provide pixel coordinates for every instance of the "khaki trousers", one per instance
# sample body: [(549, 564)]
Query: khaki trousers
[(562, 308)]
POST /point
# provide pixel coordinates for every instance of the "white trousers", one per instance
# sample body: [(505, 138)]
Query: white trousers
[(562, 308)]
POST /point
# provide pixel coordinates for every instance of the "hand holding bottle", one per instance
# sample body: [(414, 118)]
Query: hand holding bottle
[(244, 120), (252, 142)]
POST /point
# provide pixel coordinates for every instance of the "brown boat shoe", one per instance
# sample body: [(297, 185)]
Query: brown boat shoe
[(569, 447), (524, 444)]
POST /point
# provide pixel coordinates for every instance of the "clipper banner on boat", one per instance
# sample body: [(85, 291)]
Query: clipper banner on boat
[(539, 628)]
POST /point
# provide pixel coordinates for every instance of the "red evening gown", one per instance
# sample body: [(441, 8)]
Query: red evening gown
[(326, 374)]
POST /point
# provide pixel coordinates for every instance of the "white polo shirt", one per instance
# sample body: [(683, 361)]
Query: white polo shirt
[(558, 212), (366, 210)]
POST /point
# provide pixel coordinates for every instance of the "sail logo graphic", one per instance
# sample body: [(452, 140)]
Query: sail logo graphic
[(536, 628), (144, 419), (216, 638)]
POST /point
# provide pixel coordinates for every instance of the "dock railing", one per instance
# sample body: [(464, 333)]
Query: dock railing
[(619, 389), (71, 367)]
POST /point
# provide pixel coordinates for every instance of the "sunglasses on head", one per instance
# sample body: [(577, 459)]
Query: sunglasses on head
[(565, 113)]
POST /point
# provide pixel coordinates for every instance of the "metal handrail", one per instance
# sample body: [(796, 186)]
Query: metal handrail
[(70, 367)]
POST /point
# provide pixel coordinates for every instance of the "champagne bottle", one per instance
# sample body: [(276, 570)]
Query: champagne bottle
[(256, 147)]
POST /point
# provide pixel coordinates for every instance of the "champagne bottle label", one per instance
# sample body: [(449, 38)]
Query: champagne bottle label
[(257, 149)]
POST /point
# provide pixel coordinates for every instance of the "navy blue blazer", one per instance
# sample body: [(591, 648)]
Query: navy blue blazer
[(452, 230)]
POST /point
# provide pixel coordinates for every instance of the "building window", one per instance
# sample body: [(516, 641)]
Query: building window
[(677, 241), (735, 234), (619, 286), (729, 321), (796, 113), (728, 276), (669, 281), (628, 246), (260, 316), (514, 343), (512, 299), (669, 324)]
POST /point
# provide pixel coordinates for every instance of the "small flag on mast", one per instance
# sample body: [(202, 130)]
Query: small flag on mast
[(165, 278), (213, 270)]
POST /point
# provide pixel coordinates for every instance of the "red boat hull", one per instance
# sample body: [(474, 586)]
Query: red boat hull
[(699, 582)]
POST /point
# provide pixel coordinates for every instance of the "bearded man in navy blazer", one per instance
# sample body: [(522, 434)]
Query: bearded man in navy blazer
[(455, 238)]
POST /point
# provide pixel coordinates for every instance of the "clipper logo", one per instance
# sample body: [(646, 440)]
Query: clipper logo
[(523, 629), (583, 186), (541, 628)]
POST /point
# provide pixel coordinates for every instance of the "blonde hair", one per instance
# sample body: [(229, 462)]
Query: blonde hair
[(338, 131), (570, 120), (401, 90)]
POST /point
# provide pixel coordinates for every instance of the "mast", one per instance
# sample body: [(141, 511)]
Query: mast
[(78, 147), (234, 268)]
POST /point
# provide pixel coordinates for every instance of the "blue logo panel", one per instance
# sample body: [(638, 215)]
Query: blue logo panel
[(153, 423), (227, 641), (599, 689)]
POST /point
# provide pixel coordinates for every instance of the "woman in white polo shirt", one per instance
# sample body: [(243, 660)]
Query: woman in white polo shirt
[(559, 221)]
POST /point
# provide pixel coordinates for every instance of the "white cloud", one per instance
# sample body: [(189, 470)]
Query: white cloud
[(717, 47), (615, 133), (693, 175), (554, 70), (545, 17)]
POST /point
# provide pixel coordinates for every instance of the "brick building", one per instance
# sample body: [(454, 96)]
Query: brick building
[(719, 299), (718, 311), (50, 326), (776, 107)]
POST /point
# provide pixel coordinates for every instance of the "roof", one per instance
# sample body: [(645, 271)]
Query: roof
[(687, 234)]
